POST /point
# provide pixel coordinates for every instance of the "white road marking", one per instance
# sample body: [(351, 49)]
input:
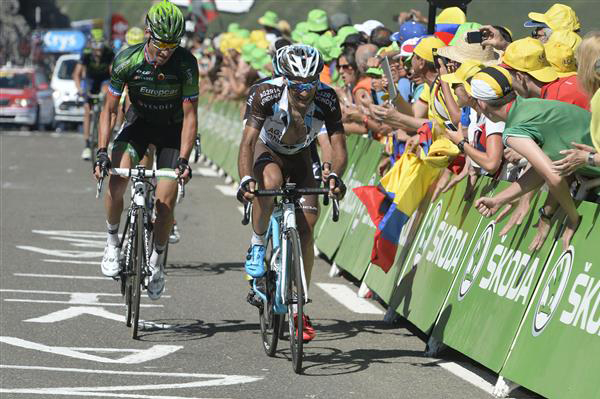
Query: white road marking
[(61, 276), (72, 233), (347, 297), (76, 298), (74, 311), (82, 242), (76, 303), (62, 253), (77, 262), (206, 380), (227, 190), (133, 356), (206, 172), (468, 376)]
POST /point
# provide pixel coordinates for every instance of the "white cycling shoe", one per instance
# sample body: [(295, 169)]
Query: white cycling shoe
[(110, 265), (86, 154), (156, 285)]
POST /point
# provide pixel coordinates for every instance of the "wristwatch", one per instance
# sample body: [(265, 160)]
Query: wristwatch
[(590, 159), (461, 145), (543, 214)]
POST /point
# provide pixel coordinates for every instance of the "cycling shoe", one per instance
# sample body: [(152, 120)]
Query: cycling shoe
[(255, 261)]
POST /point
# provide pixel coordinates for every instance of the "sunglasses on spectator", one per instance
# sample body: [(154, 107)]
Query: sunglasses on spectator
[(302, 86), (344, 66), (162, 46)]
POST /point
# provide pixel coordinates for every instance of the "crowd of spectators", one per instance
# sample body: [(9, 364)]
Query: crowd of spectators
[(518, 109)]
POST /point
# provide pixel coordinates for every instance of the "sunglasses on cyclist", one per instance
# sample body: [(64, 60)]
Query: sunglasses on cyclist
[(164, 45), (302, 86)]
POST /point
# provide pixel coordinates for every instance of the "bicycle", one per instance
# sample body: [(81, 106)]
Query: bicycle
[(137, 237), (285, 289), (96, 100)]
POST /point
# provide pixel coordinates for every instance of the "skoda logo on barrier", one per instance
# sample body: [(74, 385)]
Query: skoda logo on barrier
[(553, 290), (478, 256), (429, 227)]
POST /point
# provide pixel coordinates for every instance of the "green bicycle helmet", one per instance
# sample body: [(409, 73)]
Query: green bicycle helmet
[(165, 22)]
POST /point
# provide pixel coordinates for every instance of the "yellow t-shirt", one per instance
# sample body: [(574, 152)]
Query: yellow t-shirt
[(595, 124), (437, 111)]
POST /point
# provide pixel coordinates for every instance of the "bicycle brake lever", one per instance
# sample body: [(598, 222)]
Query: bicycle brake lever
[(247, 207), (336, 210), (99, 187), (180, 191), (326, 199)]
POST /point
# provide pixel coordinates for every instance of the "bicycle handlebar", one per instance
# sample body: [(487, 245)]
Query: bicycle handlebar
[(133, 172), (293, 192)]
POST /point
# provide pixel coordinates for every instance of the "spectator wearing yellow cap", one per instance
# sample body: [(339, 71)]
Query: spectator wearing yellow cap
[(533, 76), (558, 17), (483, 143), (588, 60), (423, 69), (532, 127)]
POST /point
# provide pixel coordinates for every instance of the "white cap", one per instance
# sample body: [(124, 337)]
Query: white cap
[(368, 26)]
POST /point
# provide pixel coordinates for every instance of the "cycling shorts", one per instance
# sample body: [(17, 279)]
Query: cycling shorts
[(136, 135), (94, 87), (295, 168)]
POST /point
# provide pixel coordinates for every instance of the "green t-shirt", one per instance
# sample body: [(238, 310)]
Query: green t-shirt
[(156, 93), (553, 125)]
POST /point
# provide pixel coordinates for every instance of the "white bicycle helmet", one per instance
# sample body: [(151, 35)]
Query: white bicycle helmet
[(299, 61)]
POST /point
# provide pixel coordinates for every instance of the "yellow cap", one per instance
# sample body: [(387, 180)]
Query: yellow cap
[(426, 45), (561, 58), (451, 15), (462, 75), (558, 17), (490, 83), (528, 55), (566, 37)]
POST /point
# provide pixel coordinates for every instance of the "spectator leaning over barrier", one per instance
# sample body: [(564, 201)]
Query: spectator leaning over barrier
[(531, 130), (483, 143), (533, 76), (422, 66), (588, 60), (558, 17)]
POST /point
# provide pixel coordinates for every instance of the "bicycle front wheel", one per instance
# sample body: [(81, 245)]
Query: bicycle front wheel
[(138, 272), (295, 295)]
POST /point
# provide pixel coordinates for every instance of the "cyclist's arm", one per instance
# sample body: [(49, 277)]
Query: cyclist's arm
[(109, 111), (189, 129), (246, 154), (78, 73), (340, 155), (326, 150)]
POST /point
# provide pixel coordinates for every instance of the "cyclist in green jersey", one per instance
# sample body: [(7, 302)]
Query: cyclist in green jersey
[(162, 82)]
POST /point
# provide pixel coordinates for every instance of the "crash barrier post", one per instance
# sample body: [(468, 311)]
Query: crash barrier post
[(531, 317)]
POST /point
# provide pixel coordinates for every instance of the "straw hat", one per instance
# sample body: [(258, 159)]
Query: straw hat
[(462, 51)]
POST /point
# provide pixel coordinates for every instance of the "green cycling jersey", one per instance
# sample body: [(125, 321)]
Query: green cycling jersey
[(157, 93)]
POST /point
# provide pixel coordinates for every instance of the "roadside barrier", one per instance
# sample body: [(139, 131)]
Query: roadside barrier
[(531, 317)]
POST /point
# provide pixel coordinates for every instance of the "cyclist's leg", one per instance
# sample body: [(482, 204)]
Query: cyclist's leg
[(124, 155), (307, 211), (267, 170)]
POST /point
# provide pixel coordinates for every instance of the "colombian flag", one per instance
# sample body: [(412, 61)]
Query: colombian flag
[(399, 194)]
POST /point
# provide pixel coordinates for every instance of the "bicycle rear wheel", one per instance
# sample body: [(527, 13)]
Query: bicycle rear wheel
[(138, 271), (295, 295)]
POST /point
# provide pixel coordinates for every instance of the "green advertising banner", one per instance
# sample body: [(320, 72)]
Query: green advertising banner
[(382, 283), (444, 237), (355, 250), (557, 350), (495, 283), (330, 235)]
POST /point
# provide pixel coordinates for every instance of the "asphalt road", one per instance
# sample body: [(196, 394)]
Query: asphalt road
[(62, 329)]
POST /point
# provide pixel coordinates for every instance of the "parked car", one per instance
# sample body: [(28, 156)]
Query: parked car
[(25, 97), (68, 106)]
